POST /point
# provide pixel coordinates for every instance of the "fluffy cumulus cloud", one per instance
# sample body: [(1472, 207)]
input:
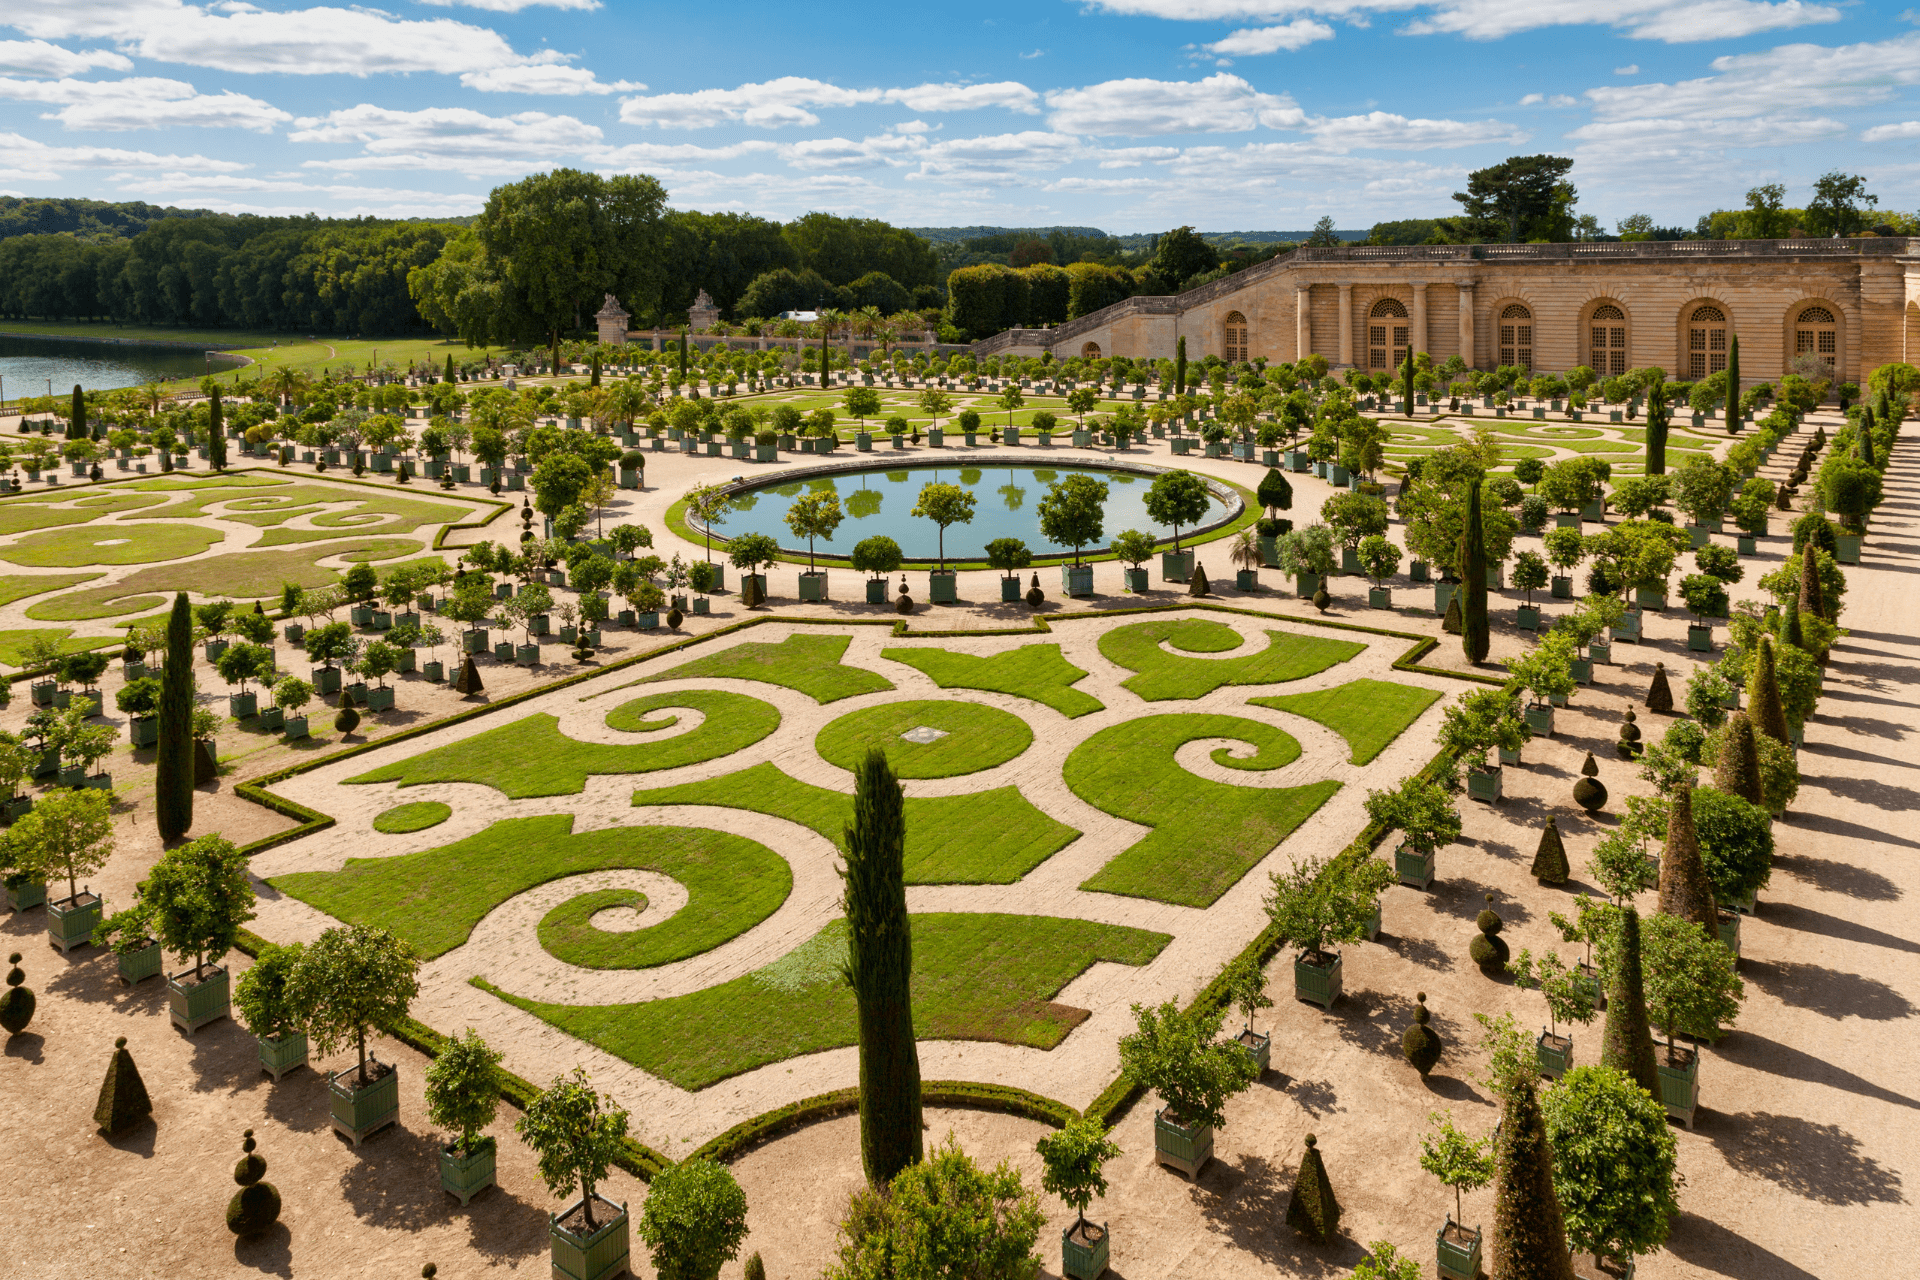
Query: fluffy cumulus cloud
[(142, 102), (514, 6), (38, 58), (1793, 77), (550, 78), (1492, 19), (453, 138), (1892, 132), (1254, 41), (1221, 103), (27, 159), (1005, 157), (788, 100), (1384, 131)]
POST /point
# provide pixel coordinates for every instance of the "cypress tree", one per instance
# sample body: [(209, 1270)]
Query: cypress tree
[(1866, 436), (1529, 1232), (448, 375), (1733, 384), (1763, 694), (216, 432), (77, 418), (1812, 598), (1627, 1042), (1660, 693), (594, 380), (123, 1101), (1550, 859), (1406, 383), (1738, 772), (1180, 367), (1685, 890), (1790, 625), (1474, 636), (1659, 418), (880, 970), (173, 753), (1313, 1211)]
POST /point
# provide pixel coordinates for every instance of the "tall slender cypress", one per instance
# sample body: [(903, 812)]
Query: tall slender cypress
[(1406, 384), (216, 432), (1812, 598), (1733, 383), (1474, 637), (1763, 694), (1659, 418), (1685, 890), (1180, 367), (1738, 772), (1627, 1042), (448, 375), (880, 971), (77, 419), (173, 757), (1866, 436), (1529, 1230)]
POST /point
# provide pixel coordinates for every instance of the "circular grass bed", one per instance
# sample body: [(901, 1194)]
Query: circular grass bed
[(971, 737), (418, 816)]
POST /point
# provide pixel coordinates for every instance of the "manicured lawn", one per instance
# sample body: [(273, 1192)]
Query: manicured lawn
[(804, 663), (110, 544), (990, 837), (978, 737), (288, 501), (18, 586), (1367, 713), (243, 575), (434, 898), (403, 818), (531, 757), (1206, 835), (210, 480), (975, 977), (567, 932), (1162, 675), (1035, 671), (13, 644), (24, 514)]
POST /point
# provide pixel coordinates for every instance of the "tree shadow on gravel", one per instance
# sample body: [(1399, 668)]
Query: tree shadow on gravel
[(1374, 1020), (1761, 1054), (1818, 1162), (1839, 877), (1720, 1251), (1248, 1206), (1420, 951), (1465, 899), (1848, 830), (27, 1046), (1831, 993), (270, 1251), (1789, 915), (384, 1185), (1881, 795), (1315, 1097)]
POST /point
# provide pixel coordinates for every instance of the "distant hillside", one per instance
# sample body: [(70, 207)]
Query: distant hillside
[(1142, 240), (123, 220), (953, 235)]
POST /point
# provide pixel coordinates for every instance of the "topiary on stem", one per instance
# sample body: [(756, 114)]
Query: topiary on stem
[(1421, 1044), (1488, 949), (1550, 859), (16, 1006), (256, 1206), (1313, 1211), (123, 1101), (1685, 890)]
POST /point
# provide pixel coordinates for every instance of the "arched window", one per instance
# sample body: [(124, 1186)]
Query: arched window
[(1607, 345), (1387, 340), (1516, 336), (1091, 351), (1818, 332), (1706, 342), (1235, 347)]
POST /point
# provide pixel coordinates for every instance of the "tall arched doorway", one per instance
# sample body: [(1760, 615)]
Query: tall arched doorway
[(1234, 347), (1091, 351), (1387, 334), (1607, 341), (1706, 342), (1516, 335), (1816, 330)]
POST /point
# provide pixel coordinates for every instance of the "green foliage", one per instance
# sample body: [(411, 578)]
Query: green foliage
[(694, 1220), (1735, 842), (1422, 810), (261, 993), (463, 1088), (123, 1101), (1072, 510), (1316, 904), (1420, 1044), (878, 556), (1459, 1162), (1685, 890), (1614, 1162), (809, 664), (1529, 1233), (1369, 714), (1073, 1157), (1289, 655), (977, 737), (1177, 498), (1132, 546), (576, 1135), (1384, 1261), (173, 757), (1035, 671), (947, 504), (1550, 858), (1180, 1057), (68, 835), (1566, 1000), (944, 1217), (1480, 720), (1305, 551), (353, 979), (403, 819)]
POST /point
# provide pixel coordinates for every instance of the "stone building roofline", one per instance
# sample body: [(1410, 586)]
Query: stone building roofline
[(611, 310)]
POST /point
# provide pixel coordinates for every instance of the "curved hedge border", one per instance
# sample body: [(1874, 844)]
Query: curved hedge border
[(749, 1134)]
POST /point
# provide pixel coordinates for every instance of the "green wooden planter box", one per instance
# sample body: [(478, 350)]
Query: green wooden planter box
[(1555, 1054), (1177, 566), (1628, 628), (1654, 598), (273, 718), (1561, 588), (284, 1054), (1595, 510), (813, 588), (1076, 579), (1728, 927), (474, 641), (1137, 581), (25, 895), (359, 1113), (1320, 984), (380, 698), (1305, 584), (1080, 1261), (600, 1256), (466, 1176), (194, 1006), (1179, 1147), (295, 727), (1566, 520), (71, 921), (144, 731), (526, 655), (139, 965), (381, 620), (1246, 579), (503, 652), (1747, 545), (1587, 979), (1484, 783), (1443, 593), (1259, 1047), (877, 590), (1846, 548), (1506, 756), (1540, 719), (1699, 638), (326, 679), (1380, 597), (943, 588), (1413, 867), (1679, 1084), (214, 649), (243, 705), (1526, 617), (1458, 1261), (1419, 571), (539, 624), (73, 775)]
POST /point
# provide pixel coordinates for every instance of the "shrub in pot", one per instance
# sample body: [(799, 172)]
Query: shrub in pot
[(1179, 1056), (1464, 1164), (68, 836), (1073, 1157), (261, 997), (354, 979), (198, 895), (578, 1136), (463, 1096), (1567, 1001), (1475, 724), (694, 1220), (1424, 814), (1246, 987), (129, 935), (1316, 904)]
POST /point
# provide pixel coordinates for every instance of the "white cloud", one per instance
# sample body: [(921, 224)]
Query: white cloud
[(1533, 99), (1221, 103), (317, 41), (1786, 78), (143, 103), (1561, 100), (548, 78), (1254, 41), (1386, 131), (1890, 132), (1005, 157), (1010, 94), (1758, 131), (38, 58), (513, 6), (841, 155), (44, 162), (1631, 69), (453, 138), (1492, 19), (777, 104), (1107, 186), (1037, 53), (635, 155), (1134, 157)]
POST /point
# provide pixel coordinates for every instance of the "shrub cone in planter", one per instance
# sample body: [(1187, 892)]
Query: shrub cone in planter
[(1197, 584), (1313, 1211), (1421, 1043), (256, 1206), (1738, 772), (1590, 793), (1529, 1232), (1660, 693), (1685, 890), (16, 1006), (1627, 1042), (1763, 695), (1321, 599), (1488, 949), (468, 681), (1550, 859), (1451, 623), (123, 1101)]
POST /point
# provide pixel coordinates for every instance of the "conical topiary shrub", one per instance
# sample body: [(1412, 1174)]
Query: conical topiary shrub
[(1550, 859), (751, 596), (1313, 1211), (1660, 693), (1627, 1043), (1488, 949), (1197, 584), (468, 681), (256, 1206), (123, 1094), (1763, 694), (1421, 1043), (1812, 598), (1738, 772), (1590, 793), (1790, 625), (755, 1269), (1685, 890), (1529, 1231), (16, 1006), (1451, 623)]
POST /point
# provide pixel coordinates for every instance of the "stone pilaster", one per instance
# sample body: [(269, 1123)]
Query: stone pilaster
[(1346, 324), (1466, 326)]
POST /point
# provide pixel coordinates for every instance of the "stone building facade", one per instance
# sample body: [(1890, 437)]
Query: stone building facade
[(1614, 306)]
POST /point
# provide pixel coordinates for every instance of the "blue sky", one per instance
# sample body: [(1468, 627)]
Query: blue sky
[(1131, 115)]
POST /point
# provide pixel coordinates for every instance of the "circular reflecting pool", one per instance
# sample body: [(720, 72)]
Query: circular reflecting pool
[(880, 500)]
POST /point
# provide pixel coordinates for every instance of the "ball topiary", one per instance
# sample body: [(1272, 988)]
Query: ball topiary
[(1628, 747), (1488, 949), (675, 617), (1660, 693), (348, 720), (256, 1206), (123, 1101), (1313, 1210), (1035, 596), (16, 1006), (1421, 1043), (1550, 859), (1590, 793), (1320, 598)]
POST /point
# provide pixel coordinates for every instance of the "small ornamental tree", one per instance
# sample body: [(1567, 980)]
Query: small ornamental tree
[(463, 1091), (1313, 1210), (1074, 1156), (1550, 858), (1529, 1232), (1179, 1056), (947, 504), (1177, 498), (817, 515), (1315, 905), (1246, 988), (1685, 890), (1691, 985), (1072, 511), (1737, 771), (1763, 694), (260, 994), (749, 551), (946, 1214), (576, 1136), (877, 556), (197, 897), (1614, 1162), (1736, 843), (694, 1219), (173, 754), (1460, 1162), (352, 980), (1379, 558), (1480, 720), (1300, 552), (1566, 999), (68, 835), (1420, 809)]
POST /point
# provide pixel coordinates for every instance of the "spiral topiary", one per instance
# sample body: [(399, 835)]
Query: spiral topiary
[(256, 1206), (16, 1006), (1421, 1043), (1590, 793), (1488, 949)]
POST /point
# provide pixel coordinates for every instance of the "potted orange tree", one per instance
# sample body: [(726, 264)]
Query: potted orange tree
[(1464, 1164), (1567, 1001), (1424, 814), (463, 1095), (1073, 1157), (1180, 1057), (354, 979), (577, 1137), (261, 995), (198, 895), (1071, 513), (1315, 905), (69, 836)]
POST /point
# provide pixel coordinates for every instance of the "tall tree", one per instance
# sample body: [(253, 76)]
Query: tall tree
[(1685, 890), (77, 418), (1511, 201), (173, 753), (1659, 420), (1529, 1232), (216, 433), (880, 970), (1627, 1041), (1839, 204), (1763, 695), (1812, 595), (1475, 639), (1733, 383), (1738, 770), (1181, 253), (1179, 367)]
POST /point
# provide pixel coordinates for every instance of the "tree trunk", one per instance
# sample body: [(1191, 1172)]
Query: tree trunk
[(586, 1200), (361, 1040)]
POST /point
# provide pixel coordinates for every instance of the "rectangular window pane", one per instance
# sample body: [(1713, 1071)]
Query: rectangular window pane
[(1697, 340), (1526, 334), (1717, 362), (1826, 342), (1379, 358), (1526, 358), (1619, 362), (1599, 337), (1716, 339), (1377, 335), (1399, 335), (1506, 336), (1697, 369), (1619, 337)]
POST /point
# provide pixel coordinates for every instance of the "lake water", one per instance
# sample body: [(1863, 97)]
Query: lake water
[(1005, 506), (28, 364)]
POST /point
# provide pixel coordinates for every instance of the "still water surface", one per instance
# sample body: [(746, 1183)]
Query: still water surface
[(28, 365)]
